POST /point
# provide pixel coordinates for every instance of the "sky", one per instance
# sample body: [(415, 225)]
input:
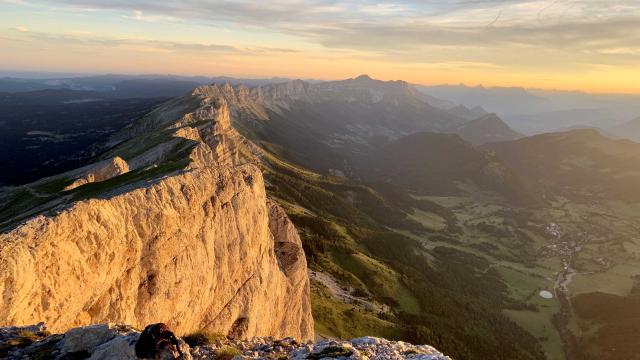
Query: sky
[(589, 45)]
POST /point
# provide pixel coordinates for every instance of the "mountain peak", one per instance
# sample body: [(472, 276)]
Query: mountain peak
[(466, 113), (490, 117), (627, 130), (363, 77), (487, 128)]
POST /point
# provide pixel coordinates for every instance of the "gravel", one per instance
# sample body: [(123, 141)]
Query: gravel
[(121, 342), (363, 348)]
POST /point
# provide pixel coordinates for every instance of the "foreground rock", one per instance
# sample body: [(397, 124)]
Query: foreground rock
[(365, 348), (107, 341)]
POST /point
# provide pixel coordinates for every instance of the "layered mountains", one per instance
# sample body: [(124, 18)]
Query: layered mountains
[(325, 125), (338, 209), (488, 128), (581, 164), (627, 130)]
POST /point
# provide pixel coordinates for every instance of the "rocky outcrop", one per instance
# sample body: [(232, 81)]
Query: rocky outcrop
[(101, 171), (108, 341), (198, 248)]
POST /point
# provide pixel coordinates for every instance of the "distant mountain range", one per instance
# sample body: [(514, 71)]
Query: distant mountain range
[(627, 130), (466, 113), (324, 124), (343, 118), (534, 111), (527, 111), (502, 100), (579, 164), (487, 129), (124, 86)]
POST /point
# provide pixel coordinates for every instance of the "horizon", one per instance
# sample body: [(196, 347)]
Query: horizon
[(538, 44), (45, 75)]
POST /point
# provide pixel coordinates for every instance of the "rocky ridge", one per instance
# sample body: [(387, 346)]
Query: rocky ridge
[(361, 88), (173, 226), (329, 125)]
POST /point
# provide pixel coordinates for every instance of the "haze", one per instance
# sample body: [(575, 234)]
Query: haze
[(583, 45)]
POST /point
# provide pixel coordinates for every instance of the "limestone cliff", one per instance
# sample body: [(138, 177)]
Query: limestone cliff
[(187, 237)]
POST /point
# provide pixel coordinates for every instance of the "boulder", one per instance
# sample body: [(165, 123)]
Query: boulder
[(87, 338), (120, 347)]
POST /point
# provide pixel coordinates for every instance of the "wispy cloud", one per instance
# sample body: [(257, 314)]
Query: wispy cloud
[(139, 15), (149, 45), (558, 25)]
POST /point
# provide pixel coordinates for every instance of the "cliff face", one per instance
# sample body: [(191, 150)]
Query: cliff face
[(199, 248)]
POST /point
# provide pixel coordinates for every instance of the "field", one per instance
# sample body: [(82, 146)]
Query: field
[(399, 251), (429, 220), (596, 246)]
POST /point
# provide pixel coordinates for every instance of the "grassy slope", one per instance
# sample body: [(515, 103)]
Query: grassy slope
[(336, 319), (443, 296), (508, 238)]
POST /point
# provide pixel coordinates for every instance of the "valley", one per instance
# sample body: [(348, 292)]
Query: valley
[(51, 131), (523, 225), (562, 261)]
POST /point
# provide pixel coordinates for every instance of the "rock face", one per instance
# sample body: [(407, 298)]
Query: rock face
[(199, 248)]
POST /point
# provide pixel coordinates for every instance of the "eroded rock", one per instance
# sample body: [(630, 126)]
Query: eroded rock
[(199, 248), (101, 171), (87, 338)]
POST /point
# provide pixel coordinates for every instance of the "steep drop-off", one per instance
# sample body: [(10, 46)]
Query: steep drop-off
[(187, 237)]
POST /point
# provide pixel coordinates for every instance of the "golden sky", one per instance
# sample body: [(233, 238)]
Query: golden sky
[(591, 45)]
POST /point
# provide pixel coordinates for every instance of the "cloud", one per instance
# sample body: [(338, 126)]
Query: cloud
[(568, 35), (81, 33), (246, 12), (621, 51), (383, 9), (138, 15), (475, 31), (148, 45)]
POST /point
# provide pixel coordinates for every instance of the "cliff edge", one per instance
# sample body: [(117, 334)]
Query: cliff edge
[(185, 235)]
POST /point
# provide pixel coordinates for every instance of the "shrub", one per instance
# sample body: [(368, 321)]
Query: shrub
[(331, 352), (24, 339), (227, 353), (202, 338)]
